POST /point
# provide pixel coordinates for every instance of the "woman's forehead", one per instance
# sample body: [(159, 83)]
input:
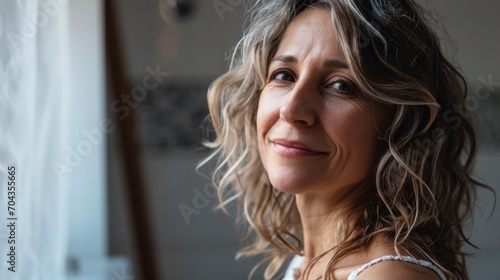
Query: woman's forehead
[(312, 32)]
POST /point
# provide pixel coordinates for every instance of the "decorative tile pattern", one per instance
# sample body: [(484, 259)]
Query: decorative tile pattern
[(171, 116)]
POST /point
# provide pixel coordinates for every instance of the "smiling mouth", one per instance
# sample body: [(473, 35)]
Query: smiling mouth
[(294, 149)]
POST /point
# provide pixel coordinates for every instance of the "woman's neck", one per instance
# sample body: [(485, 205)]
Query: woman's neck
[(319, 226), (321, 215)]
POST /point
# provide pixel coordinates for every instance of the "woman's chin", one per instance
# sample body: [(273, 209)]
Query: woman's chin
[(291, 187)]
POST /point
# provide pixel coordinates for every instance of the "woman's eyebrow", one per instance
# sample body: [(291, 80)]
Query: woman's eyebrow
[(330, 63), (334, 63), (285, 58)]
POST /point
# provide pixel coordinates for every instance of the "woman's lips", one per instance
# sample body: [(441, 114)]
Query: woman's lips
[(294, 148)]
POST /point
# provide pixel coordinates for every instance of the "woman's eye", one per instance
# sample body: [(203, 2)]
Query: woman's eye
[(343, 87), (283, 76)]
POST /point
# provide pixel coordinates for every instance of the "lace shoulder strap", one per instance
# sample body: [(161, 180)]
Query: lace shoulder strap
[(408, 259)]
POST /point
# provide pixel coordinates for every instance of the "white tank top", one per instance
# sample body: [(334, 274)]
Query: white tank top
[(292, 270)]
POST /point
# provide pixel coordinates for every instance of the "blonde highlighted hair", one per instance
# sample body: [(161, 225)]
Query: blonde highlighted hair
[(423, 190)]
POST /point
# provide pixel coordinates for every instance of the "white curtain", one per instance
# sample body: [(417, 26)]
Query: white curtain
[(33, 131)]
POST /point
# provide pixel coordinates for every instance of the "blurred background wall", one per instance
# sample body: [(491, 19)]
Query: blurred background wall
[(193, 50)]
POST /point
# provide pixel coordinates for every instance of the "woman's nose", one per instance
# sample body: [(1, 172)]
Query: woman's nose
[(297, 106)]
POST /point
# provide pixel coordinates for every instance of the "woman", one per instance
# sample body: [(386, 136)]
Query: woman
[(343, 136)]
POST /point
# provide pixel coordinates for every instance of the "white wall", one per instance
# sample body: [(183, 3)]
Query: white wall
[(87, 220)]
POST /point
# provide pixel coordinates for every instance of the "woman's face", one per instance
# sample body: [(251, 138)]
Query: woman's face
[(314, 133)]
